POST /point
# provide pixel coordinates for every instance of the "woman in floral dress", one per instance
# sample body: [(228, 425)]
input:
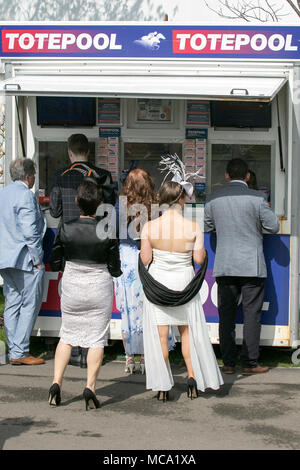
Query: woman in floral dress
[(138, 189)]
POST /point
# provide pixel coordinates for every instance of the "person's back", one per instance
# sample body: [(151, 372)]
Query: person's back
[(172, 297), (171, 231), (86, 291), (16, 222), (138, 189), (22, 227), (239, 215), (67, 180)]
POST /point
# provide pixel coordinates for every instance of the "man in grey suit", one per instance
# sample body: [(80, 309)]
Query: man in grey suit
[(22, 227), (239, 215)]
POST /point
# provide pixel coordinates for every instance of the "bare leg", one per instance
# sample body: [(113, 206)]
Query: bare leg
[(129, 365), (163, 331), (94, 361), (62, 357), (185, 348)]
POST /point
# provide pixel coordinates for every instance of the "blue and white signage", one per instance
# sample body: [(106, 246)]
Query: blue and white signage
[(155, 41)]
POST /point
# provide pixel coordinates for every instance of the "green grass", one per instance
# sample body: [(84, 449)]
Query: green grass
[(269, 356)]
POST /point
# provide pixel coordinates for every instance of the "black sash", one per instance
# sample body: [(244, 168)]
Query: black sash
[(159, 294)]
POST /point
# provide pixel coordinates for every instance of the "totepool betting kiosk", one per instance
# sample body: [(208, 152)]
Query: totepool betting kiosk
[(138, 91)]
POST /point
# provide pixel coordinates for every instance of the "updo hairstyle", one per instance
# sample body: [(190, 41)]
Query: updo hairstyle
[(89, 197), (170, 193)]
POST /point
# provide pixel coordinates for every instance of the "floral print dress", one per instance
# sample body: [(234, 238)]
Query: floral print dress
[(129, 299)]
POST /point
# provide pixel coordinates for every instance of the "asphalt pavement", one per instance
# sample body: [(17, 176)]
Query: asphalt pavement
[(247, 413)]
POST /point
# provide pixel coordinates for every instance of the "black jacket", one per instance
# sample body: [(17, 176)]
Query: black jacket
[(64, 189), (77, 241)]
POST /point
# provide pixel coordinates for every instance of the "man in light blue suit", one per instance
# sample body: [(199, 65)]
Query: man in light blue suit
[(22, 228)]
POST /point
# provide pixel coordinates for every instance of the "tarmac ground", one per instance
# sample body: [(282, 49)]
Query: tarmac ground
[(248, 413)]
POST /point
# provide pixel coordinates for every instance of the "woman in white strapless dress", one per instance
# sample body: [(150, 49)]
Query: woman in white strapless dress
[(170, 243)]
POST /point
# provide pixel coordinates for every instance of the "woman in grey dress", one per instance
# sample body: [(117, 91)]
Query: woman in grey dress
[(87, 290)]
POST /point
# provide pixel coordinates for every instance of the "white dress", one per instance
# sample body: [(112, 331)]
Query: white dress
[(175, 271)]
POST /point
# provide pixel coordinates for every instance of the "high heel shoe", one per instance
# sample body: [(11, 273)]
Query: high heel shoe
[(192, 391), (54, 395), (91, 401), (163, 396), (142, 365), (130, 365)]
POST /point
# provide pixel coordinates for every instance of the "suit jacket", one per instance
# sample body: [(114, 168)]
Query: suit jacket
[(239, 215), (22, 228), (77, 241), (64, 190)]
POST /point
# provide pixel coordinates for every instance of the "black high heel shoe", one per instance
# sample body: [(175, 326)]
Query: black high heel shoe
[(54, 395), (163, 396), (91, 401), (192, 391)]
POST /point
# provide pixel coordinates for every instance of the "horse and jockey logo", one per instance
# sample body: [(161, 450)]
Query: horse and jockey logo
[(151, 40)]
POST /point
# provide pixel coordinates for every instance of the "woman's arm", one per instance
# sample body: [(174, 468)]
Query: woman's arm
[(146, 247), (199, 251)]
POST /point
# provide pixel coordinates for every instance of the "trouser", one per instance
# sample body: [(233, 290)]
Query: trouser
[(23, 291), (229, 291)]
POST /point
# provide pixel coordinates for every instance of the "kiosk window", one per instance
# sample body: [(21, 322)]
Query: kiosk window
[(257, 156), (53, 156), (147, 156)]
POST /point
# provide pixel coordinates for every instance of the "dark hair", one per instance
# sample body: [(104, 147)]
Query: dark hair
[(252, 181), (89, 197), (78, 144), (170, 193), (237, 169)]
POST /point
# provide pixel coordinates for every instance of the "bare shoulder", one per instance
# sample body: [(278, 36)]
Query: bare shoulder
[(192, 225), (196, 227), (145, 230)]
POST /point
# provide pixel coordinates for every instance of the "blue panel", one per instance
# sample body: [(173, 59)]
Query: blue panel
[(277, 256)]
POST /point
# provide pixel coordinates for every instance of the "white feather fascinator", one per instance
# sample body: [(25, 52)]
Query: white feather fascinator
[(173, 165)]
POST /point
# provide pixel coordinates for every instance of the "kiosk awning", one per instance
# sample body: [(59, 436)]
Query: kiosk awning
[(147, 86)]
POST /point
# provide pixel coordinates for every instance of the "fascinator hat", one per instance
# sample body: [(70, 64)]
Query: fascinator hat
[(173, 165)]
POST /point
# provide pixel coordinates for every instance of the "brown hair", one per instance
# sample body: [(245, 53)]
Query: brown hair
[(78, 144), (89, 197), (139, 189), (252, 181), (170, 193)]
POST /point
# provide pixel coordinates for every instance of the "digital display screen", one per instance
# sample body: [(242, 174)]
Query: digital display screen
[(240, 114), (66, 111)]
